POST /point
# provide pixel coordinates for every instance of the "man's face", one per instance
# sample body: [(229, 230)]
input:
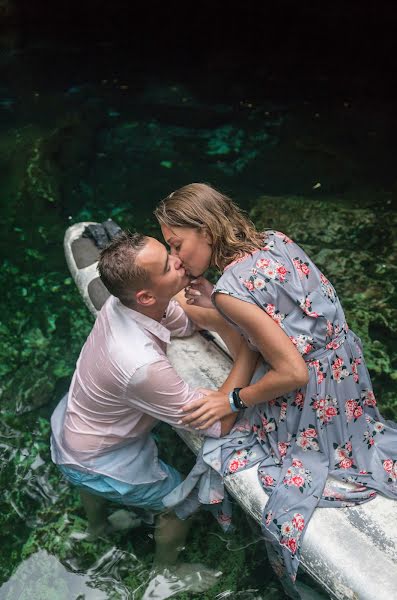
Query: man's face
[(167, 276)]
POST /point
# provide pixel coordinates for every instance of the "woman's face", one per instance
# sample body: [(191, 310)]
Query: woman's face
[(192, 246)]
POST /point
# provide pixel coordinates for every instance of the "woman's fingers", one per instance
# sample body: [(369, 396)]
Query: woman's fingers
[(208, 423), (194, 404), (194, 415)]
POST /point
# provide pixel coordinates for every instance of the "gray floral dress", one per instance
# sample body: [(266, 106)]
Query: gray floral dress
[(330, 427)]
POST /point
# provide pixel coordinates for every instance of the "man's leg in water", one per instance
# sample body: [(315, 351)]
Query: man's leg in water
[(95, 510), (170, 576), (170, 536)]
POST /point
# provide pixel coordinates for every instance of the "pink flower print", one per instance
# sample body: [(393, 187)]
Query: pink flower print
[(323, 279), (368, 398), (358, 412), (297, 463), (248, 284), (303, 343), (299, 400), (234, 466), (268, 518), (350, 406), (327, 289), (284, 237), (333, 344), (353, 410), (282, 448), (298, 522), (354, 367), (276, 315), (303, 443), (262, 263), (268, 246), (259, 283), (330, 329), (259, 432), (339, 371), (307, 439), (388, 465), (287, 529), (267, 480), (310, 432), (326, 408), (298, 481), (292, 545), (301, 267), (343, 456), (379, 427), (321, 375), (306, 307), (270, 309), (283, 411), (268, 425), (272, 269), (281, 272), (216, 501)]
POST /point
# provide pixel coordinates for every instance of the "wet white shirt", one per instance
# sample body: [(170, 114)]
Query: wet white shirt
[(122, 386)]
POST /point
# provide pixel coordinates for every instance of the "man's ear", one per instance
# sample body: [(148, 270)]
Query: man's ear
[(144, 298)]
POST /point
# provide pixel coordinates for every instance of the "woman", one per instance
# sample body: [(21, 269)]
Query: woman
[(312, 410)]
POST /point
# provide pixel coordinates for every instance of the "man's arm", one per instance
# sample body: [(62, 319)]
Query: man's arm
[(157, 389)]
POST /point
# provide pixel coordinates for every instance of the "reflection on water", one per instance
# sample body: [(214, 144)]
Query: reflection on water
[(86, 135), (42, 576)]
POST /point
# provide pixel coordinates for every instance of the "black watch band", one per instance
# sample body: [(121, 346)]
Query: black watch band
[(237, 401)]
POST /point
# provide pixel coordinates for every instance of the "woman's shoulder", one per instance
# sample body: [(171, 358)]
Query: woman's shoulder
[(272, 237)]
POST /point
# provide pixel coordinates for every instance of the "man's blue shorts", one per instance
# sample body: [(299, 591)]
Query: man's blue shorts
[(146, 495)]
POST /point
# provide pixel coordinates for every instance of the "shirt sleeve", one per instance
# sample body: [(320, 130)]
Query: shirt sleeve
[(158, 390), (177, 321)]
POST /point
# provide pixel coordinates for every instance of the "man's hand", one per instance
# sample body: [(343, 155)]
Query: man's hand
[(198, 292), (204, 412)]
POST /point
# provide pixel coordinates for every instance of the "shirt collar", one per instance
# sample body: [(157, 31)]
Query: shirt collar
[(145, 322)]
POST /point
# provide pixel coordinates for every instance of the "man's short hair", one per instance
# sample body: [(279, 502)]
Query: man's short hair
[(118, 266)]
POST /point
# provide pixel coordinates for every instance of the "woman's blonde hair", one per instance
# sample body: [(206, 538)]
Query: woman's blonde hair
[(200, 206)]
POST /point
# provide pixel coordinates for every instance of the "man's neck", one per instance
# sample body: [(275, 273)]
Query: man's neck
[(155, 312)]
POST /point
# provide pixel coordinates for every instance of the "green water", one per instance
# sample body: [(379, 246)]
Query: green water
[(91, 138)]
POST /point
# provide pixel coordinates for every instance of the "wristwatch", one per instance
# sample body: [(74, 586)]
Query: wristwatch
[(236, 403)]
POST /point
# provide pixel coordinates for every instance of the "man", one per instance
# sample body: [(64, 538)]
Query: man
[(123, 384)]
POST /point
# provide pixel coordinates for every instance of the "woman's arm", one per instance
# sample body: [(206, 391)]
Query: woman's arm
[(212, 320), (288, 370), (240, 376), (212, 406)]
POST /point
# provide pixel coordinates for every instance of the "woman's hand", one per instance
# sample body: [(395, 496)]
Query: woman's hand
[(204, 412), (198, 292)]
